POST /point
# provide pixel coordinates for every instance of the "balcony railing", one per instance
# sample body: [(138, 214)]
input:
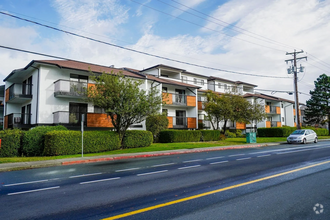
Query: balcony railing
[(18, 93), (67, 88), (65, 117), (205, 124), (18, 120), (179, 99), (272, 109)]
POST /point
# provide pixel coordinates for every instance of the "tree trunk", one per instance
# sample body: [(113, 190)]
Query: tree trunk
[(328, 124), (224, 127)]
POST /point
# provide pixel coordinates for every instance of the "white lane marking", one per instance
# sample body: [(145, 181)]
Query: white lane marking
[(287, 149), (35, 190), (83, 175), (294, 151), (102, 180), (143, 174), (23, 183), (264, 155), (224, 161), (234, 155), (189, 161), (213, 158), (181, 168), (164, 164), (246, 158), (129, 169)]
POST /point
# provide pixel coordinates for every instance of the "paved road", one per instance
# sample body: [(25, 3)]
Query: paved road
[(100, 190)]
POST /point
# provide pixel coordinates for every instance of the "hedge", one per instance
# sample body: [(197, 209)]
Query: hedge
[(170, 136), (137, 138), (155, 124), (69, 142), (210, 135), (11, 142), (275, 132), (34, 139), (321, 131)]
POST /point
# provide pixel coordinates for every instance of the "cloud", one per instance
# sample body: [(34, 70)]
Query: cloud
[(184, 5)]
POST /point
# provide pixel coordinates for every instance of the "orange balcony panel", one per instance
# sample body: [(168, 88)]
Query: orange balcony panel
[(200, 105), (240, 125), (6, 122), (279, 124), (191, 100), (294, 111), (170, 122), (7, 95), (191, 122), (278, 110), (295, 124), (267, 108), (167, 98), (268, 124), (99, 120)]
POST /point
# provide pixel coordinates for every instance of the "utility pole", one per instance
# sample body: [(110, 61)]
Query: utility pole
[(295, 81)]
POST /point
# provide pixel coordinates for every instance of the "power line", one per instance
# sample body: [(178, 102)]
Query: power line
[(137, 51), (232, 27), (205, 27), (320, 61)]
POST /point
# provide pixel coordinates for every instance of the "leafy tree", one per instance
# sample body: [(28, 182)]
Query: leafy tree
[(256, 113), (123, 100), (227, 107), (318, 106)]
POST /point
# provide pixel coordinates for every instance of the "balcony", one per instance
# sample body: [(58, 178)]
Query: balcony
[(69, 89), (273, 124), (181, 122), (18, 120), (18, 93), (273, 110), (178, 99), (74, 119), (201, 105)]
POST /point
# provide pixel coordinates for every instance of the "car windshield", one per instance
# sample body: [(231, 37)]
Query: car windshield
[(299, 132)]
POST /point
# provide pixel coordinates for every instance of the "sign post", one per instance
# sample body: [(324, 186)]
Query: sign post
[(82, 134)]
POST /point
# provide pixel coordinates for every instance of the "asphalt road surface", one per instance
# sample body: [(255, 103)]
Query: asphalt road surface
[(278, 182)]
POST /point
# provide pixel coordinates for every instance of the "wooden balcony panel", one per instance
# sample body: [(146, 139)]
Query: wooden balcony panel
[(167, 98), (6, 122), (191, 100), (268, 124), (99, 120), (267, 108), (278, 110), (240, 125), (294, 111), (200, 105), (170, 122), (279, 124), (7, 95), (191, 122)]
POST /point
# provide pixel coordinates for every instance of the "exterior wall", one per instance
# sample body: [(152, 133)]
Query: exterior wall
[(190, 80), (288, 114)]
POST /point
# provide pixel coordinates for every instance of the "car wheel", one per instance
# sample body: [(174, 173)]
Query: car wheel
[(315, 140), (304, 141)]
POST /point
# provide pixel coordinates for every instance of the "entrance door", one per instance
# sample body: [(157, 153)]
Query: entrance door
[(22, 121), (75, 113), (180, 117)]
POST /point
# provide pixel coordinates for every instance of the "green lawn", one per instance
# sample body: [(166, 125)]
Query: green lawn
[(153, 147)]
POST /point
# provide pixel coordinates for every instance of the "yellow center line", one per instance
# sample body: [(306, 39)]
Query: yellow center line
[(211, 192)]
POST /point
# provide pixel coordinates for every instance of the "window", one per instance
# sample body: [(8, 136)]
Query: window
[(219, 85), (99, 110), (282, 105), (202, 82), (163, 75), (234, 88), (164, 89), (195, 81), (184, 79), (198, 81), (268, 103), (225, 86), (282, 119)]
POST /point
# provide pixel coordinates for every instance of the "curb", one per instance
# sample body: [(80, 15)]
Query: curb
[(161, 154)]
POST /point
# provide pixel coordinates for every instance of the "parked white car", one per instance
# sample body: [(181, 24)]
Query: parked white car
[(302, 136)]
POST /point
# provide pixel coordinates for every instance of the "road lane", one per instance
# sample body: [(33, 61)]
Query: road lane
[(131, 190)]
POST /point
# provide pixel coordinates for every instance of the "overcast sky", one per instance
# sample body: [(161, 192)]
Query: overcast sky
[(236, 35)]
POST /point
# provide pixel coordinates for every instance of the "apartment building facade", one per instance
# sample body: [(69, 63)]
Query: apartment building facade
[(50, 92)]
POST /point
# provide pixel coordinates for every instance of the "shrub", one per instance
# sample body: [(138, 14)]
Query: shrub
[(230, 134), (11, 142), (137, 138), (222, 137), (275, 132), (155, 124), (321, 131), (170, 136), (210, 135), (34, 139), (69, 142), (239, 133)]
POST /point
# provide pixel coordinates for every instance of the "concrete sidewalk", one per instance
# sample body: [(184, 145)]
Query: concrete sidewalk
[(79, 160)]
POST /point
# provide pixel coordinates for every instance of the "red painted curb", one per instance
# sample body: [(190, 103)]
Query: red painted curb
[(159, 154)]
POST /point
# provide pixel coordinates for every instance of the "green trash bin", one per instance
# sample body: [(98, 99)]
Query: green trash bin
[(251, 137)]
